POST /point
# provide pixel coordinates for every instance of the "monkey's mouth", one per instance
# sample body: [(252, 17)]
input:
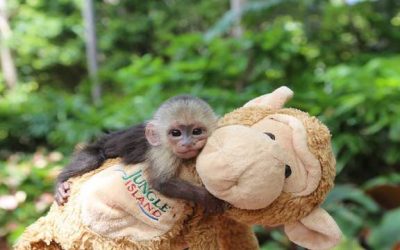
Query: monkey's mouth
[(187, 153)]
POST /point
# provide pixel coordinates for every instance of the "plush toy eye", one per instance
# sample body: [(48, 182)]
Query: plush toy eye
[(175, 133), (288, 171), (272, 136)]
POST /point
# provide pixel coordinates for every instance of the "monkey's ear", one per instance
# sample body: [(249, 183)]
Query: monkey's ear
[(152, 135)]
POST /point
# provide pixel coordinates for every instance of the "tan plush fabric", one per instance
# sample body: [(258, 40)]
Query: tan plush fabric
[(233, 170), (314, 231), (318, 141), (292, 136), (306, 142), (274, 100), (119, 202), (63, 227)]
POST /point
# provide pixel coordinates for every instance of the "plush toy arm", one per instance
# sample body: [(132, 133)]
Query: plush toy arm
[(318, 230), (235, 235), (274, 100), (202, 233), (220, 233)]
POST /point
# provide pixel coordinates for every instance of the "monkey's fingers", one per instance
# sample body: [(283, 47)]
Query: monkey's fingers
[(212, 209), (207, 212), (60, 201), (62, 195), (66, 185), (219, 209), (220, 206)]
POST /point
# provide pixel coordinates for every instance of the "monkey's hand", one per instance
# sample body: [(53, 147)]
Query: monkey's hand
[(212, 205), (62, 192), (181, 189)]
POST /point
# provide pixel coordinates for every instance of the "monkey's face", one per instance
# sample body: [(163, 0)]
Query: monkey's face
[(186, 141)]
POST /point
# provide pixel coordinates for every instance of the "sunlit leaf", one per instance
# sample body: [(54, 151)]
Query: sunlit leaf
[(348, 243)]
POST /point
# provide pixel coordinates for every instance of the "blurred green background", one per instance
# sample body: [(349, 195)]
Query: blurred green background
[(341, 57)]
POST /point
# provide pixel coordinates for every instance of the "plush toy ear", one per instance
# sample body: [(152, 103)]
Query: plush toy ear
[(274, 100), (152, 135), (318, 230)]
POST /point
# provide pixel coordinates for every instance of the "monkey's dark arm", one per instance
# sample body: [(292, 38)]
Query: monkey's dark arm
[(181, 189), (130, 144), (85, 160)]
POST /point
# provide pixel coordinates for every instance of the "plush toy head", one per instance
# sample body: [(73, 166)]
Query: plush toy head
[(275, 166)]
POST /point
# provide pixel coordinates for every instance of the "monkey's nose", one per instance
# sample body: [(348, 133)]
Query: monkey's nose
[(187, 144)]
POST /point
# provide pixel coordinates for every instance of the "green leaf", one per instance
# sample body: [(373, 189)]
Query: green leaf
[(386, 234), (341, 193), (349, 221), (391, 179), (394, 132), (376, 127), (348, 243)]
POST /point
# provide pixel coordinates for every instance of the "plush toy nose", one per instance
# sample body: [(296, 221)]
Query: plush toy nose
[(242, 166)]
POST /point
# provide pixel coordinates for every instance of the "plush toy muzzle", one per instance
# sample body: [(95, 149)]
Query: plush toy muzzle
[(224, 156)]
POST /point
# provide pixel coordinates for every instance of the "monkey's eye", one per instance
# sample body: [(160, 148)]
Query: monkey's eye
[(197, 131), (288, 171), (175, 132), (272, 136)]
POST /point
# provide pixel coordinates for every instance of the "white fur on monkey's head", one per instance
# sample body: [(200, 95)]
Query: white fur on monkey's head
[(184, 109)]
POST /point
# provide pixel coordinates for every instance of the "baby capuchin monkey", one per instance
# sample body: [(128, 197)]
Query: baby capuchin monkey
[(177, 133), (174, 136)]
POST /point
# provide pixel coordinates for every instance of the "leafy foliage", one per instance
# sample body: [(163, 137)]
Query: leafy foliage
[(26, 183), (340, 58)]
